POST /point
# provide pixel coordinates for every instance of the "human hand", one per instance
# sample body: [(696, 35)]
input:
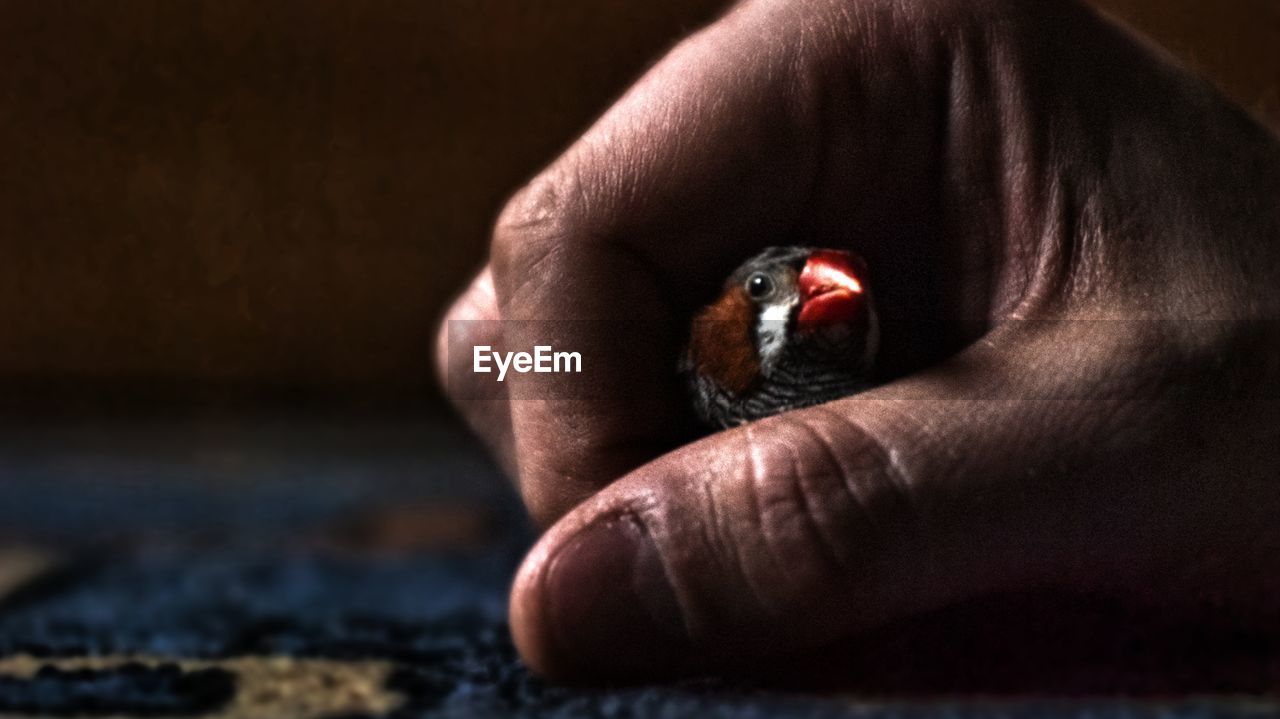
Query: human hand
[(1075, 248)]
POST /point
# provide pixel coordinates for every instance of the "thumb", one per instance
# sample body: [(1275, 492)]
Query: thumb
[(790, 533)]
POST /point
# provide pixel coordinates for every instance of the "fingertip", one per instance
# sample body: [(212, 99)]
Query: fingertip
[(595, 605), (529, 625), (466, 322)]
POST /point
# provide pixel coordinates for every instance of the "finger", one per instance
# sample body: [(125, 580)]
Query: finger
[(1010, 468), (474, 320), (714, 154)]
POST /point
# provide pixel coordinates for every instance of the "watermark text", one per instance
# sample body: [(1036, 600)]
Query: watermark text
[(543, 360)]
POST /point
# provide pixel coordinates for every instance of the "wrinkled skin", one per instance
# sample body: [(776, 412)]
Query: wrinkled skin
[(998, 163)]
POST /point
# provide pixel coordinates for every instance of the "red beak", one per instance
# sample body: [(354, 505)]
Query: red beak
[(830, 292)]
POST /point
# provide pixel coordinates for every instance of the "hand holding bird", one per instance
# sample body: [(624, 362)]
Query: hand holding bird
[(1069, 236)]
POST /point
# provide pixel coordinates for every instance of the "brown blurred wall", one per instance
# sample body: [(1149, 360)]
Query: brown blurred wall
[(203, 198)]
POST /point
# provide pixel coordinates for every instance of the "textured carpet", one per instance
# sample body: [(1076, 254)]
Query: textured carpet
[(217, 574)]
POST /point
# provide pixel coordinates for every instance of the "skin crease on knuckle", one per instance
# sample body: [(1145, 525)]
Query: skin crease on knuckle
[(772, 527), (781, 533)]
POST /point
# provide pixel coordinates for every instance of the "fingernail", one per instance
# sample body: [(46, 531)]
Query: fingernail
[(612, 611)]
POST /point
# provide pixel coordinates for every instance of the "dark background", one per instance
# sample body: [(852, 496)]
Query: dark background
[(241, 201)]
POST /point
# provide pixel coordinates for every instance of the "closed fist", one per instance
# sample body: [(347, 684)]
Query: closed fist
[(1076, 252)]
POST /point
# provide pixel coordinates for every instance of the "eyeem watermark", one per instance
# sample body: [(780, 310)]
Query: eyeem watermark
[(543, 360), (633, 361)]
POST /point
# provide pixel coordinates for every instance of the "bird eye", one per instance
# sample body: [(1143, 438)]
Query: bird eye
[(759, 286)]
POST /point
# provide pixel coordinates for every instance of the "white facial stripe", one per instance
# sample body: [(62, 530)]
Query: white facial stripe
[(771, 330)]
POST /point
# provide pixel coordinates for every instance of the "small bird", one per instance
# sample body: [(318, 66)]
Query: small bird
[(793, 327)]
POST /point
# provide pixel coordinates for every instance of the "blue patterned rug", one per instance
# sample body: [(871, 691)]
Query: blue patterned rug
[(238, 571)]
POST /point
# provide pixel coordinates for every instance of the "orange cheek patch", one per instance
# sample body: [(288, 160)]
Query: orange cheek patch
[(721, 346)]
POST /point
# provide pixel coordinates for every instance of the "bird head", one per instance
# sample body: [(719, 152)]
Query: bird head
[(791, 323)]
